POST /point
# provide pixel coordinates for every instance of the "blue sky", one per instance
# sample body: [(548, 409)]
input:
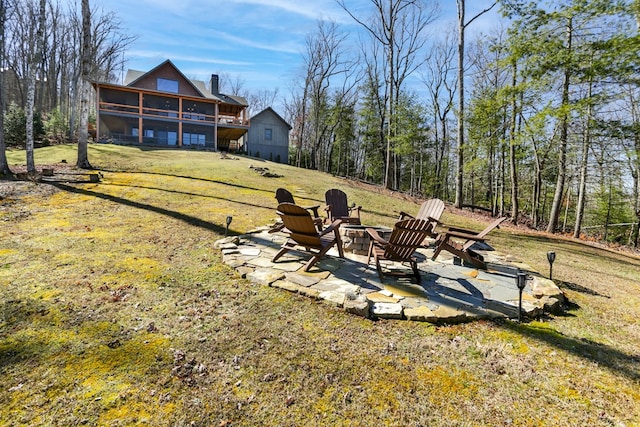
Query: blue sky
[(257, 41)]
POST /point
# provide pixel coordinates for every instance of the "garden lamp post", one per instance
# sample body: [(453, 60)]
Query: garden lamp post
[(551, 257), (229, 219), (521, 282)]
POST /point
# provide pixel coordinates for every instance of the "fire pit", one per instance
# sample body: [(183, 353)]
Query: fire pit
[(355, 238)]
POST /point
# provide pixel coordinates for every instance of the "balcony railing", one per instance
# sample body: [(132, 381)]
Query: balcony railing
[(186, 116)]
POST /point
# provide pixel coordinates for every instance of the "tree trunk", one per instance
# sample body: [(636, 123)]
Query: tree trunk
[(4, 164), (564, 134), (460, 149), (582, 190), (513, 171), (83, 131), (35, 62)]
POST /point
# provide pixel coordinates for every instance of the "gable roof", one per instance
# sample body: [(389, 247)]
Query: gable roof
[(272, 111), (134, 76), (171, 64)]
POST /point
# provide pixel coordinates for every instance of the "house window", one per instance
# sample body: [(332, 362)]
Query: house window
[(268, 134), (193, 139), (167, 85)]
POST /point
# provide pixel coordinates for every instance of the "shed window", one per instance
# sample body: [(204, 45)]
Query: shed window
[(167, 85), (268, 134)]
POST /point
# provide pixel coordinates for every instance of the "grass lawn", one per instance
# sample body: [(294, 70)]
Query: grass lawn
[(116, 310)]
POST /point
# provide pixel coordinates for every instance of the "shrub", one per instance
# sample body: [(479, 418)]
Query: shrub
[(56, 125), (15, 127)]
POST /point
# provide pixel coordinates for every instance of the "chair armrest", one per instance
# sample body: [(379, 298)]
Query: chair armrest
[(356, 209), (460, 230), (313, 209), (461, 235), (432, 219), (404, 215), (335, 225), (375, 236)]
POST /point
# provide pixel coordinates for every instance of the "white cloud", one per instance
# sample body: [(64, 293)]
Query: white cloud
[(204, 59), (311, 9)]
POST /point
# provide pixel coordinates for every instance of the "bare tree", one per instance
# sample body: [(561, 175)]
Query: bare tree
[(441, 85), (34, 65), (261, 99), (83, 131), (4, 164), (400, 27), (462, 26), (323, 61)]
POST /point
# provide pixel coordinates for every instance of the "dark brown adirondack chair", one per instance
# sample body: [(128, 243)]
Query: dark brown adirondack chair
[(406, 237), (303, 235), (284, 196), (430, 210), (459, 241), (338, 208)]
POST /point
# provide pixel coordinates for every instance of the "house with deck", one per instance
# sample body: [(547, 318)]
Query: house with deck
[(162, 107)]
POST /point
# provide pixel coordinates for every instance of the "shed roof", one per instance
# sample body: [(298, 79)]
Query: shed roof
[(272, 111)]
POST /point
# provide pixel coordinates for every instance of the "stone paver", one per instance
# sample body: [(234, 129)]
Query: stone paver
[(448, 292)]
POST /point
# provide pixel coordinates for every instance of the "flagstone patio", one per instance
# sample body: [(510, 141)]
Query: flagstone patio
[(448, 292)]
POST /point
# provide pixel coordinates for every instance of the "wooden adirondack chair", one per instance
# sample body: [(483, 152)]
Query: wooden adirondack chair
[(430, 210), (284, 196), (458, 241), (338, 208), (406, 237), (303, 235)]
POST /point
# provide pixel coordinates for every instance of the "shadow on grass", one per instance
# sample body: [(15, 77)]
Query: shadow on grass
[(579, 288), (244, 187), (603, 355), (192, 178), (173, 214), (186, 193)]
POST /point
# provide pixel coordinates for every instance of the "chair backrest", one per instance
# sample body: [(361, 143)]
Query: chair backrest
[(487, 230), (432, 208), (337, 199), (494, 224), (406, 237), (299, 223), (284, 196)]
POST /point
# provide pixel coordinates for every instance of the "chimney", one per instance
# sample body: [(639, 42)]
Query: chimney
[(215, 90)]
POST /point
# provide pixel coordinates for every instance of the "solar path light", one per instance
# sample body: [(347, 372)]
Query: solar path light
[(521, 282), (551, 257), (229, 219)]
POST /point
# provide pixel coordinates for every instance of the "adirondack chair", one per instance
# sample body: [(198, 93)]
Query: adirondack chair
[(303, 235), (338, 208), (284, 196), (430, 210), (406, 237), (459, 241)]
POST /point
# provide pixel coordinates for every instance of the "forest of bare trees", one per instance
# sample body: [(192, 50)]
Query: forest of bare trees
[(47, 59), (537, 118)]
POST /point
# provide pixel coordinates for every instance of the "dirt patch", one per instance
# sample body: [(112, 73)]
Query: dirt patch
[(22, 185)]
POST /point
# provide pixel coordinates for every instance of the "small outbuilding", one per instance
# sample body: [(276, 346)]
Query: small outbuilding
[(268, 137)]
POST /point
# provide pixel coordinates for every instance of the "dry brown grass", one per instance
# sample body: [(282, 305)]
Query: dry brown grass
[(116, 310)]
